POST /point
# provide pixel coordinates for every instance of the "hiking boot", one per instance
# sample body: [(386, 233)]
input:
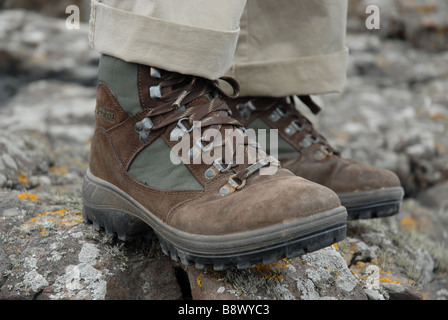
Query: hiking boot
[(217, 213), (365, 191)]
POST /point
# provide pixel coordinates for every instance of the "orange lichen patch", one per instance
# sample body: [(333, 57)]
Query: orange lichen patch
[(59, 170), (58, 212), (437, 116), (429, 8), (441, 148), (199, 280), (387, 280), (271, 271), (282, 264), (15, 249), (275, 277), (22, 178), (341, 136), (409, 223), (58, 219), (24, 196), (355, 272)]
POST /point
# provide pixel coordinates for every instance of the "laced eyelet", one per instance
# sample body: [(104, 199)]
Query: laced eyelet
[(155, 73), (155, 92), (143, 128), (231, 186), (180, 130), (319, 155), (274, 116), (297, 126), (199, 148), (293, 127), (306, 142), (281, 112), (322, 153), (193, 153), (246, 110), (278, 113), (289, 130), (216, 168)]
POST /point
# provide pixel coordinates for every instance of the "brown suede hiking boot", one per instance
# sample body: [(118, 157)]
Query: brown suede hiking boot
[(217, 214), (365, 191)]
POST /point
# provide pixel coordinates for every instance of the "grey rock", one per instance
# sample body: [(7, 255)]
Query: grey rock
[(435, 196)]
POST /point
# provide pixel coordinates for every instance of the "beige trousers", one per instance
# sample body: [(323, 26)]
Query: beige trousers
[(271, 47)]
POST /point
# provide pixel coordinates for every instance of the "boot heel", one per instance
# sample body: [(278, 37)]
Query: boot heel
[(105, 210)]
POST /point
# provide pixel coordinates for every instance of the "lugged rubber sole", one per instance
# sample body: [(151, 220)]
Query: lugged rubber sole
[(373, 204), (108, 207)]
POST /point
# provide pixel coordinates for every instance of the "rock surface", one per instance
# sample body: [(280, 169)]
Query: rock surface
[(393, 114)]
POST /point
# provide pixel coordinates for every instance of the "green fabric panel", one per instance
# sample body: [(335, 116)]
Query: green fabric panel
[(285, 149), (153, 167), (121, 78)]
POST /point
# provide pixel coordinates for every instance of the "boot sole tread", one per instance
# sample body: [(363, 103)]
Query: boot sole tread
[(372, 204)]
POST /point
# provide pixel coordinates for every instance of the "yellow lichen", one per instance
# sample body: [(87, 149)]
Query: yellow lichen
[(24, 196), (409, 223), (386, 280), (22, 178), (270, 271), (49, 220), (61, 170), (199, 281)]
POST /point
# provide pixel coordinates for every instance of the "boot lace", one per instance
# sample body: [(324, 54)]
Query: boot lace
[(287, 108), (189, 101)]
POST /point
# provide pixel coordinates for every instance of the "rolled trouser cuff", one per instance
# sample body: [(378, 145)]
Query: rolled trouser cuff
[(163, 44), (301, 76)]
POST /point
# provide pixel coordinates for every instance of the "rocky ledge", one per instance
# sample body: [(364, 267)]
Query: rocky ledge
[(393, 114)]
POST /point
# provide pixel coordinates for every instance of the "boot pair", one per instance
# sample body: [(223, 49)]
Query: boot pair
[(171, 154)]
